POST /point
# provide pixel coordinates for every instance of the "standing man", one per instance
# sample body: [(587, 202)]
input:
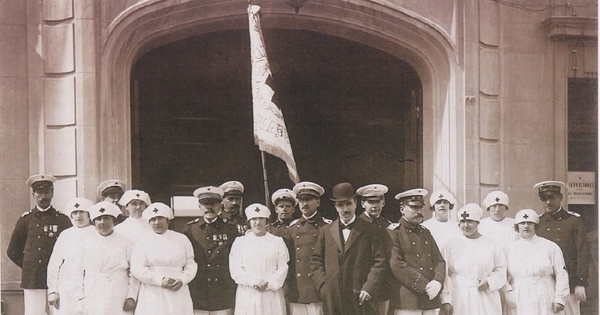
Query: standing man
[(372, 199), (348, 264), (284, 201), (212, 290), (32, 241), (232, 205), (566, 229), (301, 294), (111, 190), (416, 259), (441, 202)]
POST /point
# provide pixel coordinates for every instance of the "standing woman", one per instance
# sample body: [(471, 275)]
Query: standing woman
[(536, 270), (164, 263), (106, 286), (62, 273), (258, 264), (476, 269), (135, 202)]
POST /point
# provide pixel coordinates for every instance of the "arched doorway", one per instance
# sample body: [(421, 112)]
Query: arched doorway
[(353, 114)]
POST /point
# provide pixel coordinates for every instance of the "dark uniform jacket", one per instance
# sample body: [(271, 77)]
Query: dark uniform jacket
[(386, 289), (566, 229), (32, 242), (237, 220), (301, 236), (278, 228), (212, 289), (415, 261), (341, 269)]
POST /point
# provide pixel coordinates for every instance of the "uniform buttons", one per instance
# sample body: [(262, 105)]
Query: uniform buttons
[(40, 261), (209, 279), (420, 268), (426, 243), (208, 251), (312, 248), (558, 229), (208, 265), (298, 260), (418, 255), (297, 236), (217, 266), (298, 248), (547, 229), (216, 280), (217, 252), (559, 219), (309, 274), (315, 235), (39, 248), (298, 275), (428, 255), (37, 225), (413, 243), (430, 268), (558, 239), (39, 236)]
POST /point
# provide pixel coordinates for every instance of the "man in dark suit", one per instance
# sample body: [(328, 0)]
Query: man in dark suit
[(348, 263)]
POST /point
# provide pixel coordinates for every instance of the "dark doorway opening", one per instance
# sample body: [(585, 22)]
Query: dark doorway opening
[(352, 114)]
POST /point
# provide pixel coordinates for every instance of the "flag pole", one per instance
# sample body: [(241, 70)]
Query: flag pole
[(265, 180)]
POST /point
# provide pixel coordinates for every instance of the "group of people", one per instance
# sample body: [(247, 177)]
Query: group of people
[(118, 256)]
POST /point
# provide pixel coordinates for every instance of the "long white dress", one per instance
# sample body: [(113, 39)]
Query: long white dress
[(254, 258), (467, 262), (442, 232), (502, 232), (155, 256), (133, 228), (104, 275), (533, 264), (62, 267)]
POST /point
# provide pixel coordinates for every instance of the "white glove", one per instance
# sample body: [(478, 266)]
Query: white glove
[(433, 288), (580, 293)]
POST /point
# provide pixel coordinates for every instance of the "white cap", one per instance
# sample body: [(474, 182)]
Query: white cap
[(256, 210), (158, 209), (284, 194), (103, 208), (209, 192), (308, 188), (470, 211), (412, 195), (527, 215), (232, 187), (550, 185), (40, 180), (114, 184), (133, 194), (78, 204), (494, 198), (373, 190), (441, 194)]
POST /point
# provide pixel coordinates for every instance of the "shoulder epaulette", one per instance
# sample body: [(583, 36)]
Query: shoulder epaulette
[(575, 214), (293, 222), (328, 221), (541, 215), (423, 228), (25, 213), (194, 221), (393, 226)]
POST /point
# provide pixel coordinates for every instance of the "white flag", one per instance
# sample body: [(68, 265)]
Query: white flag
[(270, 133)]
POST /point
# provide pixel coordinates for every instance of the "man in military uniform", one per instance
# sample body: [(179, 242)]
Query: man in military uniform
[(111, 190), (232, 205), (372, 199), (416, 260), (32, 242), (566, 229), (302, 233), (212, 290), (284, 201)]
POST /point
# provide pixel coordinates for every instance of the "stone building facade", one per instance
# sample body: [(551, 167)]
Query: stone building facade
[(494, 87)]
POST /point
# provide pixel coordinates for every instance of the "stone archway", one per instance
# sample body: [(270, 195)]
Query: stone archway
[(407, 36)]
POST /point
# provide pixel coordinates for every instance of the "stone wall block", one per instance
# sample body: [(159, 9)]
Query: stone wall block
[(489, 119), (85, 99), (489, 23), (489, 163), (471, 160), (57, 10), (85, 47), (84, 9), (64, 190), (489, 71), (13, 44), (60, 101), (60, 152), (58, 49)]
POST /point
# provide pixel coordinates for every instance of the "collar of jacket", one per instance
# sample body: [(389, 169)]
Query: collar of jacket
[(409, 225)]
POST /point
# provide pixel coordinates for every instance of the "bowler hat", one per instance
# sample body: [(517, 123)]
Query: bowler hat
[(342, 191)]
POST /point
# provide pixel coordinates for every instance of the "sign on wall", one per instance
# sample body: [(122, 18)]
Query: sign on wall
[(582, 188)]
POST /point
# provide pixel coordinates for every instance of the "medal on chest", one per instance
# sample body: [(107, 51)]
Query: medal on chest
[(51, 230), (219, 239)]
